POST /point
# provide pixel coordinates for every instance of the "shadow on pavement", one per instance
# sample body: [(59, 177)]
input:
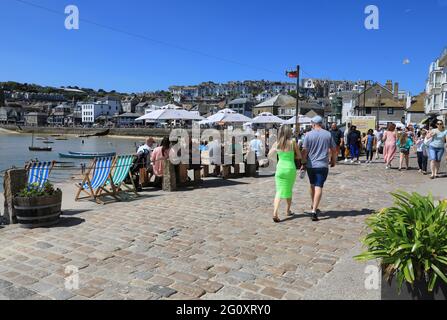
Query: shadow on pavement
[(212, 183), (73, 212), (66, 222), (325, 215)]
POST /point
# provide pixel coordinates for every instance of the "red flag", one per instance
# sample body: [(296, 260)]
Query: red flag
[(292, 74)]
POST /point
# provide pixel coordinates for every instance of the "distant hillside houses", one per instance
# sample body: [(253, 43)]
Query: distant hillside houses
[(34, 96), (232, 88)]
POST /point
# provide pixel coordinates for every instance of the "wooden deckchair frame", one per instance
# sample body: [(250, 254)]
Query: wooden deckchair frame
[(96, 194), (116, 188)]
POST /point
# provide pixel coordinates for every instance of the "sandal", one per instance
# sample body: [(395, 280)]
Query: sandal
[(290, 214), (276, 219)]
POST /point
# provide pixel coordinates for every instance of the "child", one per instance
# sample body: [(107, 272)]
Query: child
[(422, 151), (404, 143), (370, 142)]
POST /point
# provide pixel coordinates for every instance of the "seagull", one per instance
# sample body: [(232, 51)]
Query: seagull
[(406, 61)]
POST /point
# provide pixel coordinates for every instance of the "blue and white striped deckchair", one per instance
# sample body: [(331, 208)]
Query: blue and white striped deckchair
[(121, 171), (38, 173), (102, 168)]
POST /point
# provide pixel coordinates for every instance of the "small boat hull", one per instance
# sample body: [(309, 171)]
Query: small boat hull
[(43, 149), (86, 155)]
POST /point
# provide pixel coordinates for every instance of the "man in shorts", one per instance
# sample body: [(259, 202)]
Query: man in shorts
[(318, 148)]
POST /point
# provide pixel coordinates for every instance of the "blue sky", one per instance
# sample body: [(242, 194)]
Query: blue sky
[(263, 37)]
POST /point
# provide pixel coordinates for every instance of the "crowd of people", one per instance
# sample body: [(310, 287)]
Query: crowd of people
[(319, 149), (315, 151)]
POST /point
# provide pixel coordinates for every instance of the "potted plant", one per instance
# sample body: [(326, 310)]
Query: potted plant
[(410, 241), (37, 206)]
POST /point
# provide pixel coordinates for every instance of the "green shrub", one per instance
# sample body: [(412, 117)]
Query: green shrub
[(34, 190), (410, 239)]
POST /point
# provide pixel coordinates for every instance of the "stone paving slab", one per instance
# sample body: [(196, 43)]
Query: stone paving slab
[(215, 242)]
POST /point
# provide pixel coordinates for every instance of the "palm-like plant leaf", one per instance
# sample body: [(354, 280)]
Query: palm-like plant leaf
[(410, 239)]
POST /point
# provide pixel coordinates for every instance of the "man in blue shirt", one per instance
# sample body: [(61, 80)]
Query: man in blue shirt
[(318, 147)]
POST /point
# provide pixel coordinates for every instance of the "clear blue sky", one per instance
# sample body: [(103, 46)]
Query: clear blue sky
[(327, 38)]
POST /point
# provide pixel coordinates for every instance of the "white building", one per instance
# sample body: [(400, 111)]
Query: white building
[(115, 103), (436, 87), (91, 111)]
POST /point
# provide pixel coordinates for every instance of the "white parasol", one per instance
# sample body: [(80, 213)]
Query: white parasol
[(267, 117)]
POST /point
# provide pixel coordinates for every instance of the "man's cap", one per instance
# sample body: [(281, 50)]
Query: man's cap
[(317, 120), (257, 134)]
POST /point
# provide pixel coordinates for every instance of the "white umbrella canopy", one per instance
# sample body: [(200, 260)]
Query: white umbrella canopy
[(226, 116), (170, 114), (267, 117), (303, 120)]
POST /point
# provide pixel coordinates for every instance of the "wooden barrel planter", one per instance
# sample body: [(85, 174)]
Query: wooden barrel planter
[(35, 212)]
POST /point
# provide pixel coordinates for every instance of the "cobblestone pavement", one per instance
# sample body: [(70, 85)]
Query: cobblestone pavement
[(216, 242)]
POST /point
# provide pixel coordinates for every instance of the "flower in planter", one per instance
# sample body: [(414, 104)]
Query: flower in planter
[(410, 240)]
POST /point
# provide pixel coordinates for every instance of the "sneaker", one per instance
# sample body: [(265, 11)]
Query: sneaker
[(346, 160), (420, 171), (352, 161), (315, 216), (387, 167)]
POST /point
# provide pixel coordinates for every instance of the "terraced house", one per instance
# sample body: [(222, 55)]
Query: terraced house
[(436, 87), (388, 104)]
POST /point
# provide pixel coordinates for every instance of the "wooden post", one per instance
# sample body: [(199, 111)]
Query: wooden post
[(183, 173), (250, 167), (169, 177), (226, 171), (14, 181), (206, 171), (237, 169), (197, 176)]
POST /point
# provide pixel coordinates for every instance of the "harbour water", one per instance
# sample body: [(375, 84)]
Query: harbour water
[(14, 151)]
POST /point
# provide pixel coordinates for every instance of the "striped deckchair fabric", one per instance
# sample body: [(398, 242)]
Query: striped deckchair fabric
[(123, 165), (122, 169), (102, 168), (38, 173)]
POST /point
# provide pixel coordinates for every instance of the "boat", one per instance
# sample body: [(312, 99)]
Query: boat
[(56, 135), (64, 164), (96, 154), (40, 149), (81, 155), (48, 149), (98, 134), (33, 148), (61, 138), (42, 138), (48, 141)]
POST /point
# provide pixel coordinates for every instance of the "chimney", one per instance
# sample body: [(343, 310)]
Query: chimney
[(389, 85), (396, 90)]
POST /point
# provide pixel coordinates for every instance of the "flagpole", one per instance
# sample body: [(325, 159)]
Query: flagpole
[(297, 109)]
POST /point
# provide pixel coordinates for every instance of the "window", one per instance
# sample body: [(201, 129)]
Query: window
[(368, 110), (390, 111)]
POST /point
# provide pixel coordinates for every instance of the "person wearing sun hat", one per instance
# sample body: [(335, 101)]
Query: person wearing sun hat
[(318, 149)]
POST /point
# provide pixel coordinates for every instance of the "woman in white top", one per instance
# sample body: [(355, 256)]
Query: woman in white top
[(436, 149)]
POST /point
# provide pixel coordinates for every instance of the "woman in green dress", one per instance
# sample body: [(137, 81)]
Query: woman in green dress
[(287, 151)]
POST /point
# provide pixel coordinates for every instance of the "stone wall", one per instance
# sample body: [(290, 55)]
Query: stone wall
[(143, 132)]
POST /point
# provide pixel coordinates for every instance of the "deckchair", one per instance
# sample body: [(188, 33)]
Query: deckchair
[(122, 167), (94, 186), (38, 173)]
